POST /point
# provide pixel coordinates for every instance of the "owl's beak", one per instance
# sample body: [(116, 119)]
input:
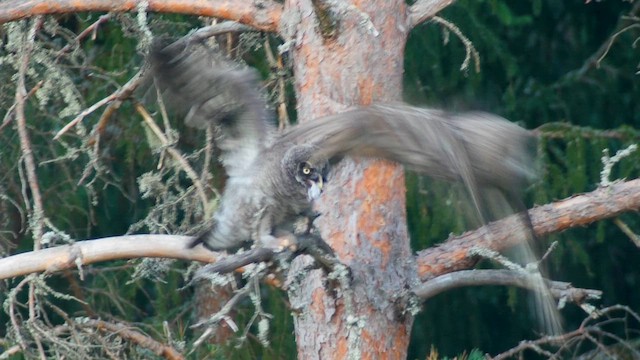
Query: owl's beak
[(315, 188)]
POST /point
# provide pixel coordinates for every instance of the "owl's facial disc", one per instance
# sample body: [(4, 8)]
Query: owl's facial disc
[(311, 178)]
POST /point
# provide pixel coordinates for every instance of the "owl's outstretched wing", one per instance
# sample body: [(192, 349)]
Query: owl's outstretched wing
[(479, 149), (214, 91)]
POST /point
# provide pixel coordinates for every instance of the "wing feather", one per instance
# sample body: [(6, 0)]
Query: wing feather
[(213, 91), (471, 147)]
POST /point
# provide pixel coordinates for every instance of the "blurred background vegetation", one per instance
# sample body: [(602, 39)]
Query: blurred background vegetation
[(565, 68)]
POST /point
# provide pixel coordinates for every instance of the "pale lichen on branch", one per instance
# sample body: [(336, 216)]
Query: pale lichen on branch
[(609, 161), (471, 52)]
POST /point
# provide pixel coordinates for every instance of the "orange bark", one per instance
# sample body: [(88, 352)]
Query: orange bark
[(363, 207), (578, 210), (265, 17)]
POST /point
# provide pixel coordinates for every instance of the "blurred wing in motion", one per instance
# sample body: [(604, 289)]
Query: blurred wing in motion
[(478, 149), (492, 157), (214, 91)]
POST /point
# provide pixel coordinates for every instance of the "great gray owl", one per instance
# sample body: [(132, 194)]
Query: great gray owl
[(275, 177)]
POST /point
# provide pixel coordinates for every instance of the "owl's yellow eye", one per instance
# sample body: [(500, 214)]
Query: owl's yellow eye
[(306, 170)]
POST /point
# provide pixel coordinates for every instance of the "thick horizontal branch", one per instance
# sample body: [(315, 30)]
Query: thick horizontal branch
[(455, 254), (466, 278), (105, 249), (423, 10), (263, 15)]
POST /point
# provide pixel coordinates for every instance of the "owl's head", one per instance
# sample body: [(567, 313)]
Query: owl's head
[(298, 165)]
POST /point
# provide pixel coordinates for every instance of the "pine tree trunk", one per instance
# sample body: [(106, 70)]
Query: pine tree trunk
[(345, 56)]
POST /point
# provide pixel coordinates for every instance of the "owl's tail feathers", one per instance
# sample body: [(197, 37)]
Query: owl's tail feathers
[(197, 240), (214, 243)]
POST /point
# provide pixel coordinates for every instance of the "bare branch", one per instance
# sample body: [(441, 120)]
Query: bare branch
[(613, 38), (580, 210), (223, 314), (93, 251), (91, 29), (9, 114), (596, 58), (16, 320), (184, 164), (37, 214), (278, 74), (627, 231), (263, 15), (10, 351), (124, 92), (423, 10), (559, 289)]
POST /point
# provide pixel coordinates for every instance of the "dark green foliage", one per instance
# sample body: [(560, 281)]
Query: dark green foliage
[(537, 69)]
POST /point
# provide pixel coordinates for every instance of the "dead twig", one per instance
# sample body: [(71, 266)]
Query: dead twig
[(126, 332), (277, 67), (91, 29), (627, 231), (37, 215), (471, 52), (594, 330), (124, 92), (9, 114), (184, 164)]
